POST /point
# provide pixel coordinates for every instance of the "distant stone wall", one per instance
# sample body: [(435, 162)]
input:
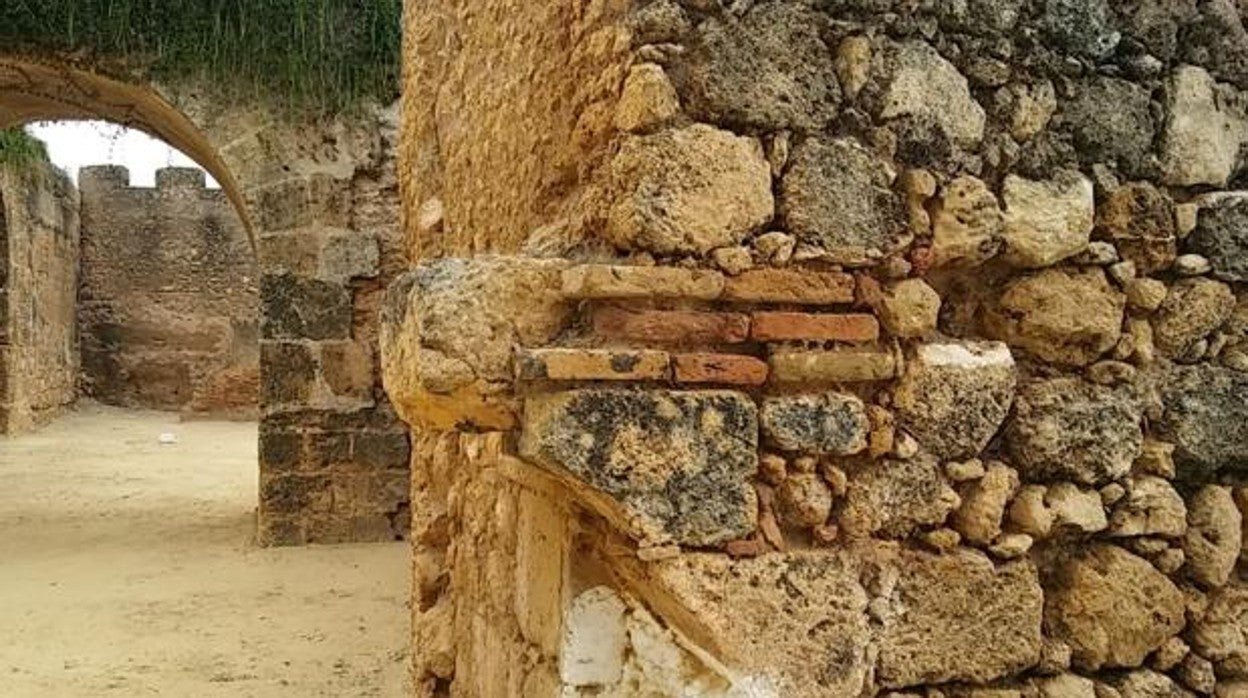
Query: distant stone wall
[(38, 289), (169, 309), (843, 348)]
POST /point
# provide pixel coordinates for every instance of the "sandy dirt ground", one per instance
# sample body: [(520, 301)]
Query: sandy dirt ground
[(127, 569)]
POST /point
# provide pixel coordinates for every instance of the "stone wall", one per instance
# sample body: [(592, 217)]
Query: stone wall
[(826, 349), (169, 314), (38, 289)]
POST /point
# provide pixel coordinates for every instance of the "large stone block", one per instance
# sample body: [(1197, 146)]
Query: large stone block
[(954, 397), (1203, 132), (838, 196), (895, 498), (1221, 235), (833, 423), (797, 618), (768, 70), (689, 190), (676, 462), (1206, 417), (957, 617), (1069, 429), (301, 308), (448, 333), (1113, 608), (1063, 316), (926, 88)]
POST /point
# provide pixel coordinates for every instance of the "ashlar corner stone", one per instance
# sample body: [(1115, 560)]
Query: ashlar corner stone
[(678, 463)]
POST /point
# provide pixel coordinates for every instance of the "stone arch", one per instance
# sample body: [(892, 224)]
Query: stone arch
[(319, 200), (41, 91)]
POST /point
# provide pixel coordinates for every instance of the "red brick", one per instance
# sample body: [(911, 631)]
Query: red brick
[(672, 326), (780, 327), (735, 369), (803, 287)]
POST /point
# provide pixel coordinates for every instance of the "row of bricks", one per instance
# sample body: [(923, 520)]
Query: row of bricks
[(831, 366), (704, 327), (796, 286)]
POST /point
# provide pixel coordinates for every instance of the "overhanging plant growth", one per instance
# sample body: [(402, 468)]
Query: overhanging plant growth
[(318, 55), (21, 151)]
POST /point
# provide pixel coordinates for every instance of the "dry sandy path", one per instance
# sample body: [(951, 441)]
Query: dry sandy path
[(126, 569)]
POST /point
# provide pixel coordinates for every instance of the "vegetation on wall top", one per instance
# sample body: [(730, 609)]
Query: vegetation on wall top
[(321, 55), (21, 151)]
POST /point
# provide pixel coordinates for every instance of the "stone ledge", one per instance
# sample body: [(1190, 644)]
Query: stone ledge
[(591, 364), (799, 286), (833, 366)]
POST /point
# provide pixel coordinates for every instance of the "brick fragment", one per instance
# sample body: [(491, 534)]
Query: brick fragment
[(780, 327), (733, 369), (606, 281), (833, 366), (591, 364), (803, 287), (672, 326)]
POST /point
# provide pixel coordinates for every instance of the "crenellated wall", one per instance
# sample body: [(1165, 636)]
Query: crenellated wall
[(169, 297), (826, 349), (38, 289)]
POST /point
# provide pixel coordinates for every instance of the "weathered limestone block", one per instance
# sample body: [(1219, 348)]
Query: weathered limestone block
[(1146, 683), (925, 87), (910, 308), (648, 99), (1063, 316), (983, 504), (691, 189), (1206, 417), (832, 423), (1221, 235), (1111, 607), (1221, 634), (797, 286), (302, 308), (894, 498), (954, 397), (798, 618), (842, 365), (1193, 308), (959, 618), (1073, 509), (768, 70), (1202, 136), (448, 330), (676, 462), (1214, 536), (967, 223), (838, 196), (1151, 507), (803, 500), (1048, 221), (1069, 429), (1139, 219), (1112, 121)]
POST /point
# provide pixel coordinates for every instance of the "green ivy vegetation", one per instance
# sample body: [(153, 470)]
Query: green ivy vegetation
[(21, 151), (319, 55)]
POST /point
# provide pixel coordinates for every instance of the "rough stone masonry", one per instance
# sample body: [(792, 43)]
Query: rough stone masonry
[(830, 349)]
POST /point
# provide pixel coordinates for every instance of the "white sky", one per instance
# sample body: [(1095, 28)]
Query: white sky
[(75, 144)]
